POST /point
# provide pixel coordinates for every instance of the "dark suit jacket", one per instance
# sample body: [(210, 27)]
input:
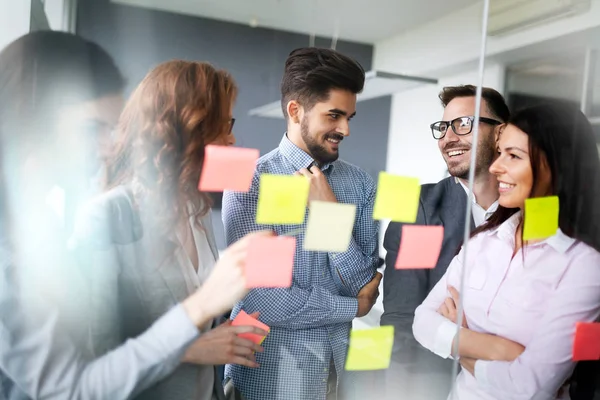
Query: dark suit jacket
[(443, 203)]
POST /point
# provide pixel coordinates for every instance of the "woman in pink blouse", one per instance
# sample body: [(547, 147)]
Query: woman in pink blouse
[(522, 299)]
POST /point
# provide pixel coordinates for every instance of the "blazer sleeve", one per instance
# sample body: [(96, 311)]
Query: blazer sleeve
[(41, 360), (93, 242), (403, 290)]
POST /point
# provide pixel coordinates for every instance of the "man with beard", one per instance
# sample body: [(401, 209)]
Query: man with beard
[(305, 351), (415, 369)]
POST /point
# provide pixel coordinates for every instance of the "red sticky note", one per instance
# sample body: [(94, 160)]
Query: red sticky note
[(244, 319), (586, 345), (420, 246), (227, 168), (270, 262)]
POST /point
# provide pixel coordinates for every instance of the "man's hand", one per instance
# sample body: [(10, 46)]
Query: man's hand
[(449, 308), (223, 346), (368, 295), (319, 187)]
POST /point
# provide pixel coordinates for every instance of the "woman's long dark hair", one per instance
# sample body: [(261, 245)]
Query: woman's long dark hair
[(564, 137)]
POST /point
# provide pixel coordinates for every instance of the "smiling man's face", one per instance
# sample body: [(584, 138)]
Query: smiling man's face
[(456, 149), (327, 123)]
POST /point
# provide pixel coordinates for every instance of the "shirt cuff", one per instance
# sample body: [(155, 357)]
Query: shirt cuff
[(347, 308), (442, 346), (481, 372)]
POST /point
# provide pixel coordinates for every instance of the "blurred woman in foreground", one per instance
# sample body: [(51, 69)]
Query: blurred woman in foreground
[(51, 85)]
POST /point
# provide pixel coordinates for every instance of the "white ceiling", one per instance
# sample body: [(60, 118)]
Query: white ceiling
[(354, 20)]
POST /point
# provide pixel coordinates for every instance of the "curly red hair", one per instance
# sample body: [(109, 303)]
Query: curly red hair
[(178, 109)]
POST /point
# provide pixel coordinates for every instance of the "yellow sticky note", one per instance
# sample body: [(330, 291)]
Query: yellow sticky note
[(370, 349), (329, 226), (541, 217), (397, 198), (282, 199)]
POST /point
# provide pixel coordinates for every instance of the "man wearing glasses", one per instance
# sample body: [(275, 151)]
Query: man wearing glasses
[(444, 204)]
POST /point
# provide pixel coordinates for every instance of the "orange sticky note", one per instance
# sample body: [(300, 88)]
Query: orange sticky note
[(270, 262), (586, 345), (227, 168), (244, 319), (420, 246)]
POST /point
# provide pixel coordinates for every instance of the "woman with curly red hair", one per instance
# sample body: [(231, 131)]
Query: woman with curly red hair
[(151, 232)]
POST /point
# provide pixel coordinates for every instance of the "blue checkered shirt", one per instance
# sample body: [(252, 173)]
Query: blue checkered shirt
[(311, 320)]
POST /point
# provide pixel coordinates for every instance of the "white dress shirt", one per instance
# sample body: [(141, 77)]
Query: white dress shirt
[(480, 214), (193, 280), (534, 298)]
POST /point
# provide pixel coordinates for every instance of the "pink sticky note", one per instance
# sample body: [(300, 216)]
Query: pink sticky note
[(270, 262), (420, 246), (227, 168), (586, 345), (244, 319)]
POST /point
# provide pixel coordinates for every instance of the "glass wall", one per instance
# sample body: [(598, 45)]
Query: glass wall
[(445, 242)]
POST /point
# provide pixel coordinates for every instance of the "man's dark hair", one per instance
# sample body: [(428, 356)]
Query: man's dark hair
[(310, 73), (493, 99)]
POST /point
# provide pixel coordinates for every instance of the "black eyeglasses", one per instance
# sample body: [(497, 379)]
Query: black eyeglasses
[(461, 126), (231, 123)]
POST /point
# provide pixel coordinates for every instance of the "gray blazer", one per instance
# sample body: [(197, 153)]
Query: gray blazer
[(443, 203), (39, 360), (134, 278)]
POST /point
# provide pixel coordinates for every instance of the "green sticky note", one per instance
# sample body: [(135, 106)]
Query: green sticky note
[(370, 349), (397, 198), (282, 199), (541, 217)]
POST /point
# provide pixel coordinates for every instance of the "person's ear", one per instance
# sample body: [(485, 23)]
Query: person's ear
[(498, 131), (294, 111)]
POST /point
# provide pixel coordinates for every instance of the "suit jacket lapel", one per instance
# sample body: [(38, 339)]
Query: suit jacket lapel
[(453, 210)]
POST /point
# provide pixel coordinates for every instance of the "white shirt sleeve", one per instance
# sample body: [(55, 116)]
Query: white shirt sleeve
[(432, 330)]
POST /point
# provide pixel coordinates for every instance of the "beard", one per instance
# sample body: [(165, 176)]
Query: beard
[(317, 150), (485, 156)]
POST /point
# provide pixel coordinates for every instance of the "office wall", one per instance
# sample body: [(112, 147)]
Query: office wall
[(15, 20), (139, 39), (449, 49)]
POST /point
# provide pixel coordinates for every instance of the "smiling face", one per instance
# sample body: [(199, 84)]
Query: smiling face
[(514, 171), (456, 149), (324, 126)]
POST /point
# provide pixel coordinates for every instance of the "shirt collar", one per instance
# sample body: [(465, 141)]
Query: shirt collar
[(298, 157), (493, 207), (506, 232)]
